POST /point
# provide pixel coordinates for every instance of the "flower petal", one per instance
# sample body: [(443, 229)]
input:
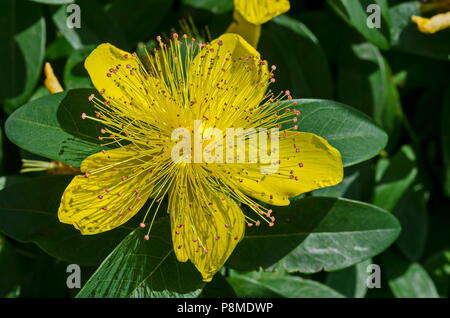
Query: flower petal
[(205, 226), (228, 71), (108, 195), (435, 24), (261, 11), (120, 77), (306, 162)]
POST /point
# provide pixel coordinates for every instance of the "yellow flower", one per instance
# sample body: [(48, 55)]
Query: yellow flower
[(223, 84), (250, 14), (436, 23)]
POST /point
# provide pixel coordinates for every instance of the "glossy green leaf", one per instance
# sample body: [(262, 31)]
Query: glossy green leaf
[(146, 16), (75, 75), (358, 184), (355, 13), (394, 177), (406, 37), (365, 82), (412, 213), (302, 65), (52, 127), (354, 134), (22, 50), (147, 269), (218, 288), (438, 266), (96, 27), (215, 6), (445, 140), (55, 2), (407, 280), (315, 234), (274, 285), (351, 281), (28, 213)]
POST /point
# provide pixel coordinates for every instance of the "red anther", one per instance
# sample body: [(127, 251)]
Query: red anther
[(300, 164), (295, 119), (227, 225), (258, 223), (142, 225), (100, 197), (273, 67), (104, 208), (250, 224), (146, 237), (271, 224), (83, 116), (91, 97)]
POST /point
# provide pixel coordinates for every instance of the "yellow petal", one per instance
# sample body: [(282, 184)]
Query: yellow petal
[(206, 227), (249, 31), (107, 195), (435, 24), (261, 11), (231, 71), (120, 76), (307, 162)]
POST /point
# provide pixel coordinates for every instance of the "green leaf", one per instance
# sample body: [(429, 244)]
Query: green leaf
[(28, 213), (354, 134), (354, 13), (407, 38), (218, 288), (303, 67), (274, 285), (445, 140), (54, 2), (394, 177), (315, 234), (145, 16), (358, 184), (10, 264), (22, 50), (52, 127), (215, 6), (144, 269), (365, 82), (350, 282), (97, 26), (412, 213), (75, 75), (438, 266), (407, 280)]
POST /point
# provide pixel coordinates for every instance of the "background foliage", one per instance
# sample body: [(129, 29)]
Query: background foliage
[(390, 120)]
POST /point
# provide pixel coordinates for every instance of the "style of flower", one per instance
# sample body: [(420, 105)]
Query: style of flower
[(142, 101)]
